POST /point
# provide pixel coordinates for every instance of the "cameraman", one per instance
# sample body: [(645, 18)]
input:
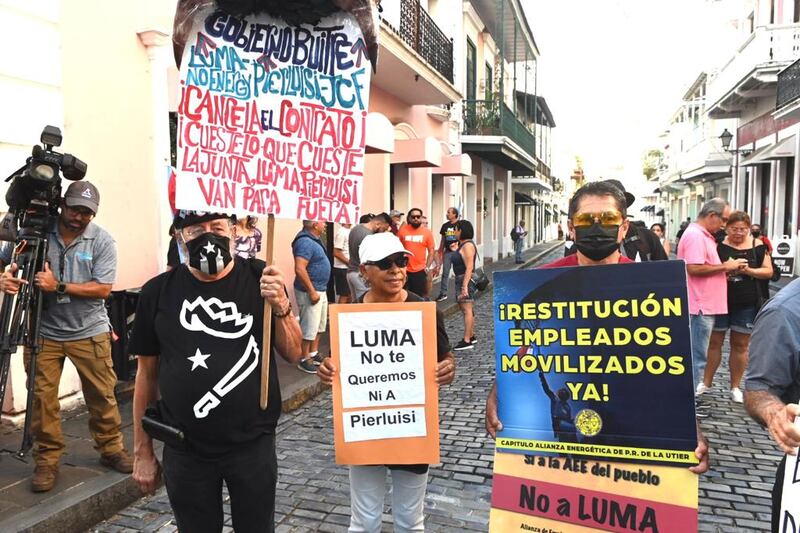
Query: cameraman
[(82, 259)]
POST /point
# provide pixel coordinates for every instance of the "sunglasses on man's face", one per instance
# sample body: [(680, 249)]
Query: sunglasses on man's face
[(606, 218), (400, 261)]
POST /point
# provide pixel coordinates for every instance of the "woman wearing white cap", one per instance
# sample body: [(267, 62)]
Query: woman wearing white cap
[(383, 265)]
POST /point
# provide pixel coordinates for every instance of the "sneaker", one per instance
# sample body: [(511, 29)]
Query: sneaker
[(736, 395), (318, 358), (463, 345), (308, 366), (701, 389), (473, 340), (44, 478), (442, 297), (120, 461)]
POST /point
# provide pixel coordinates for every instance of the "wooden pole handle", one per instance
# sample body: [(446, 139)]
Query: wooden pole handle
[(267, 339)]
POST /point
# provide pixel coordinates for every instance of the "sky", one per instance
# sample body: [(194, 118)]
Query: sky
[(614, 71)]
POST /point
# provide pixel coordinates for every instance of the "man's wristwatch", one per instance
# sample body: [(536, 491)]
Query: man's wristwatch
[(61, 288)]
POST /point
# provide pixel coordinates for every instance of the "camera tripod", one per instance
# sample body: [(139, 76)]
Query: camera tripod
[(20, 314)]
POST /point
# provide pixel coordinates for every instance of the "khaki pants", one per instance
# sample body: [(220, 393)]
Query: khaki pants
[(92, 359)]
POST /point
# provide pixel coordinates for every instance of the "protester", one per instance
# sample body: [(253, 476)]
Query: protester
[(341, 258), (639, 244), (755, 231), (312, 270), (659, 230), (363, 219), (706, 279), (77, 278), (463, 268), (448, 245), (248, 238), (772, 383), (597, 225), (744, 300), (397, 220), (418, 241), (383, 264), (376, 224), (518, 236), (198, 340)]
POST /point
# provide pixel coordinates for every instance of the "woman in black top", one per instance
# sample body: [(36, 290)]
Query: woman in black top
[(463, 264), (746, 292)]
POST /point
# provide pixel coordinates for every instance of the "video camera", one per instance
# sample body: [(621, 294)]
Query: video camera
[(35, 191)]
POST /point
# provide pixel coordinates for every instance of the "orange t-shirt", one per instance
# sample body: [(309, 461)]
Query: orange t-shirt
[(417, 241)]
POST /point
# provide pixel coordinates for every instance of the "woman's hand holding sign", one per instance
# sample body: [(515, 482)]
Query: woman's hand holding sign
[(446, 370)]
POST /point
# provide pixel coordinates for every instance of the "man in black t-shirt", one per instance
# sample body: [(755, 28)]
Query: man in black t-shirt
[(198, 338), (448, 245)]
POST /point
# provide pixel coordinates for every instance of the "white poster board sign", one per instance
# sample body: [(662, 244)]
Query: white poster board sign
[(272, 118), (783, 252), (790, 499)]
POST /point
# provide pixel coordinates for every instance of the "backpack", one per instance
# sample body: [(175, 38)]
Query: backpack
[(514, 234)]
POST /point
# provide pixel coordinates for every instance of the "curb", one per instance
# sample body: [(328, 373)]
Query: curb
[(452, 308)]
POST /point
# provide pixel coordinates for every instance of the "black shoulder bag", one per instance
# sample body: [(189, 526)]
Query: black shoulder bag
[(479, 277)]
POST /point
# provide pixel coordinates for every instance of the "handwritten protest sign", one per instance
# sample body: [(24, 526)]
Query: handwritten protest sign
[(790, 498), (385, 400), (596, 362), (272, 117), (575, 495)]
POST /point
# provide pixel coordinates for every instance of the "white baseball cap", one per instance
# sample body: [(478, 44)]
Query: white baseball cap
[(380, 246)]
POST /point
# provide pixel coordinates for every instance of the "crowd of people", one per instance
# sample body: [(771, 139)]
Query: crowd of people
[(198, 337)]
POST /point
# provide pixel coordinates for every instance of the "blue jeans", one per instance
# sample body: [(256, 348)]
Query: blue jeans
[(700, 327), (518, 249), (447, 263)]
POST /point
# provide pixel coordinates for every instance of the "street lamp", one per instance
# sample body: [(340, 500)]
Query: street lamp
[(726, 139)]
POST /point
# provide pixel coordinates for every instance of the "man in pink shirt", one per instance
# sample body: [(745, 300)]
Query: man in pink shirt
[(706, 279)]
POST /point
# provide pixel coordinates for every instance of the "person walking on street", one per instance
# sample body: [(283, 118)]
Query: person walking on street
[(198, 342), (448, 247), (519, 241), (463, 268), (341, 258), (418, 241), (312, 271), (77, 278), (744, 300), (375, 224), (383, 265), (660, 232), (755, 231), (397, 220), (706, 279), (772, 382)]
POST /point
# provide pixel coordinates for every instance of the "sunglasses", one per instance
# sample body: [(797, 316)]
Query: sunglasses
[(400, 261), (606, 218)]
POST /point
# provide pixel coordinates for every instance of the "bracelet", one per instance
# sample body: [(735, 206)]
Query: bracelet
[(285, 313)]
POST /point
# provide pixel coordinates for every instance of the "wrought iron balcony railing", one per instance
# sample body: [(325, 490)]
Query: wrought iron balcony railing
[(492, 117), (788, 85), (421, 33)]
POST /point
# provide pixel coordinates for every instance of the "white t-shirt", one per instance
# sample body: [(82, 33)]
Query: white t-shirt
[(340, 241)]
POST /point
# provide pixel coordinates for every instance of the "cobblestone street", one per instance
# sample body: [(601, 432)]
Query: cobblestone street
[(313, 491)]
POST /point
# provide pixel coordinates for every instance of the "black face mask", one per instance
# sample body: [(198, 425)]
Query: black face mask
[(209, 253), (597, 242), (756, 234)]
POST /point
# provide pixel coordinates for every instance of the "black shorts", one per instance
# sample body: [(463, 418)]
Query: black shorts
[(340, 282), (417, 283)]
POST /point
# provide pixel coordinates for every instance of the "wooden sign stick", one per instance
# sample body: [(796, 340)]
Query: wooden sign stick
[(266, 351)]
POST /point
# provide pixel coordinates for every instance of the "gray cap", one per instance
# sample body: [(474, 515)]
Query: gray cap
[(82, 193), (395, 213)]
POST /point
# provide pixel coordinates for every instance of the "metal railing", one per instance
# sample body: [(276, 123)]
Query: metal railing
[(492, 117), (421, 33), (788, 85)]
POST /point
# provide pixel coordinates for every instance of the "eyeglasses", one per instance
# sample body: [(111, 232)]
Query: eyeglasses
[(400, 261), (414, 216), (606, 218), (737, 230), (218, 228)]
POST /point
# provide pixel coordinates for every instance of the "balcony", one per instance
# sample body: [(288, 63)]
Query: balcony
[(416, 57), (491, 128), (788, 98), (752, 73)]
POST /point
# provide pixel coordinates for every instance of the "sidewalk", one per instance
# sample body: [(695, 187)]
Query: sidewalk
[(87, 493)]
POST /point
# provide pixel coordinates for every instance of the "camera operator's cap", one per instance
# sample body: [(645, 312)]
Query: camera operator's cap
[(395, 213), (84, 194), (380, 246)]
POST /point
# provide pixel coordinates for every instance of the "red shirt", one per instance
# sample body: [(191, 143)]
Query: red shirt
[(572, 260)]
